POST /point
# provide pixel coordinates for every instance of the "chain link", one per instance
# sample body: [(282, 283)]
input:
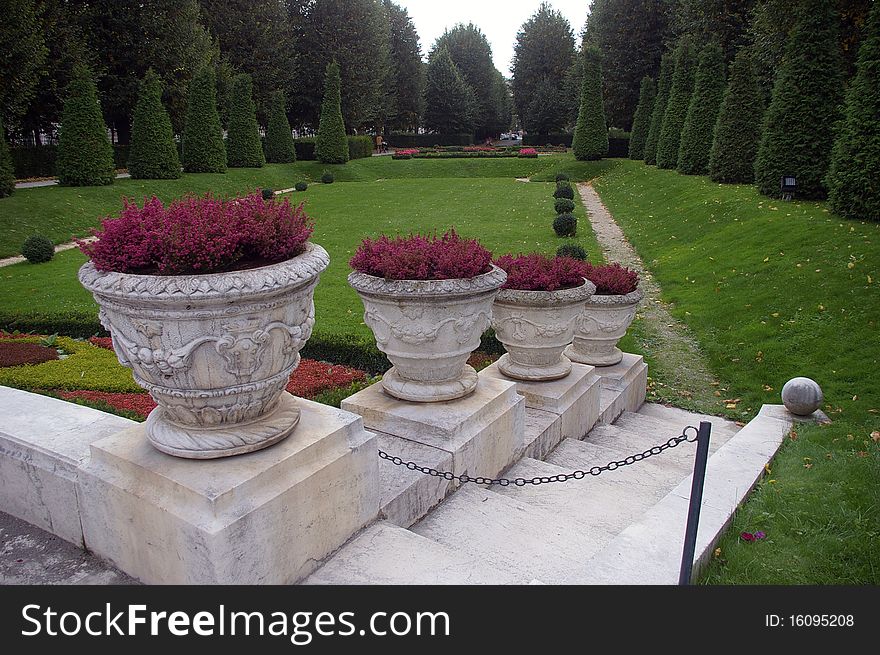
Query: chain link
[(562, 477)]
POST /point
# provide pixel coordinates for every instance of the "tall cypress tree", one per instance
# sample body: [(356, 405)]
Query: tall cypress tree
[(798, 129), (7, 173), (279, 140), (243, 146), (738, 130), (450, 105), (153, 154), (590, 139), (702, 114), (667, 70), (676, 108), (203, 148), (853, 189), (331, 145), (642, 119), (85, 156)]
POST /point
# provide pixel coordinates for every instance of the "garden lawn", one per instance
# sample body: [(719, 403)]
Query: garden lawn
[(773, 290)]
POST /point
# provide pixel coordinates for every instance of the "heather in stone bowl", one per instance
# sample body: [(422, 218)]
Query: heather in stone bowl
[(536, 272), (612, 279)]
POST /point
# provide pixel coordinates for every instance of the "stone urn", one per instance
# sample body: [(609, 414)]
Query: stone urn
[(600, 326), (428, 329), (215, 351), (535, 327)]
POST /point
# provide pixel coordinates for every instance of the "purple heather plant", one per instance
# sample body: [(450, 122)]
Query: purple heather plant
[(537, 272), (612, 279)]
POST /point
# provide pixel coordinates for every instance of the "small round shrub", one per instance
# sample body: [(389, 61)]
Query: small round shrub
[(327, 178), (268, 194), (572, 250), (562, 177), (564, 190), (563, 205), (37, 249), (301, 186), (565, 225)]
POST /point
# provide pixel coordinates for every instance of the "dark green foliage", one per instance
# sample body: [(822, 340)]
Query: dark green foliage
[(7, 174), (203, 147), (243, 146), (327, 177), (450, 103), (853, 189), (572, 250), (562, 177), (564, 190), (738, 130), (642, 119), (408, 71), (42, 161), (37, 249), (590, 140), (268, 194), (702, 113), (23, 59), (331, 146), (360, 147), (544, 113), (667, 69), (153, 153), (677, 107), (565, 225), (279, 139), (798, 130), (563, 205), (301, 186), (85, 157)]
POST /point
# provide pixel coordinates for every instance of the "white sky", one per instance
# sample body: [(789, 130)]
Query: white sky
[(499, 21)]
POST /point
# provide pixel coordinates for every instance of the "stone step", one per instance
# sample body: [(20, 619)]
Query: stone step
[(520, 539), (653, 429), (384, 553), (543, 431), (618, 438), (662, 412), (612, 402)]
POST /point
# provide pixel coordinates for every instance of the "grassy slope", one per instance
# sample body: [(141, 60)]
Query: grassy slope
[(773, 290)]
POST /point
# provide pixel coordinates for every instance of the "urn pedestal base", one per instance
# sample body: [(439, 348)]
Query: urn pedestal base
[(429, 392), (525, 373)]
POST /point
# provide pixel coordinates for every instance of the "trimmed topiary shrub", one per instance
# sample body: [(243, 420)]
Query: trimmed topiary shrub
[(798, 129), (37, 249), (572, 250), (590, 141), (327, 177), (562, 177), (243, 146), (85, 157), (564, 190), (268, 194), (563, 205), (642, 119), (677, 107), (7, 173), (702, 114), (331, 145), (153, 153), (565, 225), (203, 147), (279, 139), (301, 186), (667, 69)]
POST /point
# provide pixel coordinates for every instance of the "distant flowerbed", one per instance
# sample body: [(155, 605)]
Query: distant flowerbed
[(471, 152)]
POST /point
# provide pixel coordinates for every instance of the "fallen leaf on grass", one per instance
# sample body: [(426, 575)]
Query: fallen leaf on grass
[(875, 435), (862, 453), (767, 387)]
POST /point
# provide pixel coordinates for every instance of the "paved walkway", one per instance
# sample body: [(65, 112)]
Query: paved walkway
[(34, 185), (8, 261)]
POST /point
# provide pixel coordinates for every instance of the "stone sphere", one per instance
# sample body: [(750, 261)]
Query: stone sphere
[(802, 396)]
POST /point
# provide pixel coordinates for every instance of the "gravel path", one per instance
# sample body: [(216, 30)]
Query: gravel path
[(42, 183)]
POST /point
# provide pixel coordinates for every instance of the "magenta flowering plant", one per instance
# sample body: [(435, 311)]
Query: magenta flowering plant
[(537, 272), (419, 257), (199, 234), (612, 279)]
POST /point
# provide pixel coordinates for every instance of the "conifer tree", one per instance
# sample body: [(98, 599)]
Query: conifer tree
[(699, 124), (590, 139), (331, 145), (153, 153), (667, 69), (279, 139), (676, 108), (243, 146), (7, 173), (642, 119), (203, 148)]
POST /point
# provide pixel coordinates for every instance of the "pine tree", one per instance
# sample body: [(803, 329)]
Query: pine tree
[(279, 139), (853, 189), (676, 108), (331, 146), (7, 173), (738, 130), (591, 133), (667, 70), (85, 156), (243, 146), (642, 119), (203, 148), (699, 124), (798, 128), (153, 154), (450, 105)]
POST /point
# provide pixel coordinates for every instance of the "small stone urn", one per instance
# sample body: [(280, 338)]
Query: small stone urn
[(215, 351), (535, 327), (600, 326), (428, 329)]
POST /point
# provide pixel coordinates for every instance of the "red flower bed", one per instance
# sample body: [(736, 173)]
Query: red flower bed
[(102, 342), (13, 353), (139, 403)]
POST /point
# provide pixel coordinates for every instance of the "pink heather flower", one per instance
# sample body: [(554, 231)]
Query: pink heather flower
[(612, 279), (759, 535), (747, 536), (528, 151), (538, 272)]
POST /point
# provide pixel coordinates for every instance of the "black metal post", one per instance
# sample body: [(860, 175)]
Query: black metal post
[(693, 522)]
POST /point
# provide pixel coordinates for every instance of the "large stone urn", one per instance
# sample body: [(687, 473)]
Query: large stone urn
[(600, 326), (535, 327), (215, 351), (428, 329)]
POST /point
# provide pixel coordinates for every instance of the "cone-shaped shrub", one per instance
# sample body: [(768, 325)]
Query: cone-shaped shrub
[(153, 153), (203, 148), (642, 119), (279, 139), (676, 108), (667, 69), (243, 146), (7, 172), (738, 130), (331, 145), (798, 129), (853, 188), (590, 139), (85, 156), (699, 124)]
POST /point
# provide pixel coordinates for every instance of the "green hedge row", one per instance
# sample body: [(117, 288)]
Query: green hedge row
[(40, 162), (358, 148), (554, 138), (410, 140)]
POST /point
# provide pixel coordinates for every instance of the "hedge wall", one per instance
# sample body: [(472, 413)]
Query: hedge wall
[(40, 161), (358, 148), (554, 138), (409, 140)]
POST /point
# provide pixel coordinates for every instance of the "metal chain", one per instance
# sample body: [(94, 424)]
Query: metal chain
[(562, 477)]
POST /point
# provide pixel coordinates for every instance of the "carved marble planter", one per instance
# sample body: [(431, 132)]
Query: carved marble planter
[(602, 324), (428, 329), (215, 351), (535, 327)]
